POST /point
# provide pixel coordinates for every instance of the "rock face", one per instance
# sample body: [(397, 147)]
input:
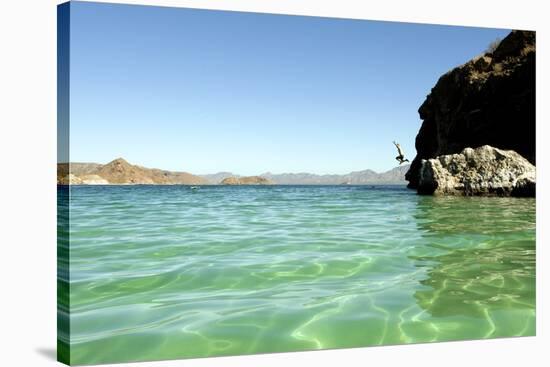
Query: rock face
[(250, 180), (490, 100), (484, 171)]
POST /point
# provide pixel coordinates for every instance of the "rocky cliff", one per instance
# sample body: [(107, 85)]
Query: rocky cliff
[(490, 100)]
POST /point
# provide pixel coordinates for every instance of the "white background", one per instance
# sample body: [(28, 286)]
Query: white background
[(28, 181)]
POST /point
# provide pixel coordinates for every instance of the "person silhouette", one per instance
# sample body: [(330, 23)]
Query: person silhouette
[(401, 157)]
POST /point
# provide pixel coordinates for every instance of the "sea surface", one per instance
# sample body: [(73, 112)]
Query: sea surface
[(162, 272)]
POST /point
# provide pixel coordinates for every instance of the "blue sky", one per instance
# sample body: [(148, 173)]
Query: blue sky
[(207, 91)]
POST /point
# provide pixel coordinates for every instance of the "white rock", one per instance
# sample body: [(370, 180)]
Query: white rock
[(482, 171)]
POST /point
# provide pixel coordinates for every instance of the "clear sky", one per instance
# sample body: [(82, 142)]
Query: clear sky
[(207, 91)]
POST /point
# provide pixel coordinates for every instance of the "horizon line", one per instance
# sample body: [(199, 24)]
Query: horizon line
[(237, 174)]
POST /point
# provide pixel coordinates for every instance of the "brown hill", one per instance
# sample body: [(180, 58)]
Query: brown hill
[(250, 180), (121, 172)]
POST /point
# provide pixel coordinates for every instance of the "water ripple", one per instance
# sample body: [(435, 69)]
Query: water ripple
[(166, 272)]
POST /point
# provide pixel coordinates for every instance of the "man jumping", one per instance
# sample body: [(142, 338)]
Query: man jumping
[(401, 157)]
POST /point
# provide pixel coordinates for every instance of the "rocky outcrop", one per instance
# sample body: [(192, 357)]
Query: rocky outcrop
[(484, 171), (490, 100), (250, 180)]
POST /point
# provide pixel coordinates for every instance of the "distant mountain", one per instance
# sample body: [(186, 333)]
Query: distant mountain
[(250, 180), (365, 177), (119, 172), (216, 178), (394, 175)]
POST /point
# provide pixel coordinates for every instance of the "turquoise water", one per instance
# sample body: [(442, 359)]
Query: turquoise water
[(160, 272)]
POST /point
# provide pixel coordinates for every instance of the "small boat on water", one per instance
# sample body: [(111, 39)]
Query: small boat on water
[(195, 187)]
